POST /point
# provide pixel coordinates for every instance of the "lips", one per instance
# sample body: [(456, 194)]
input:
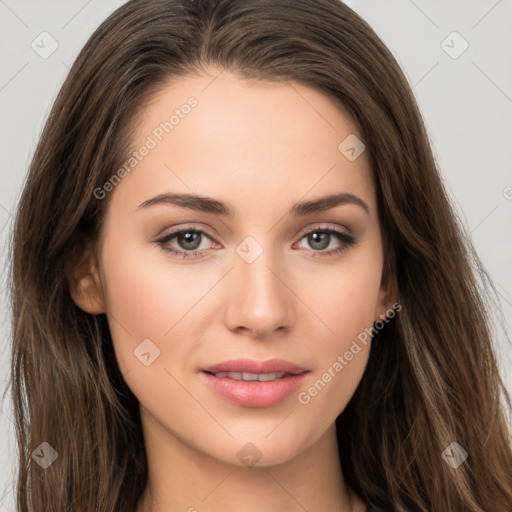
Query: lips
[(251, 383)]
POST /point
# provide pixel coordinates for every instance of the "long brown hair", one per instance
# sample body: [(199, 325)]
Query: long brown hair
[(432, 377)]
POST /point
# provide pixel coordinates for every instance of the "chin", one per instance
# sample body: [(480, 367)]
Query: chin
[(260, 451)]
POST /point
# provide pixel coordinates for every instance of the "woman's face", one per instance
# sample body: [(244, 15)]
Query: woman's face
[(248, 281)]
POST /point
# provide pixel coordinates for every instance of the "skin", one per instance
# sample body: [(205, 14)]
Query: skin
[(261, 147)]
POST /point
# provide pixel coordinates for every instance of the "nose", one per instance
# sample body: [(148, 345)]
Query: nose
[(259, 300)]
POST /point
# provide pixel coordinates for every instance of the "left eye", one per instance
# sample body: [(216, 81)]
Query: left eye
[(189, 241), (321, 236)]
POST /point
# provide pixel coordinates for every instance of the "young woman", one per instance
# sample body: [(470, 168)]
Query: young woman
[(238, 282)]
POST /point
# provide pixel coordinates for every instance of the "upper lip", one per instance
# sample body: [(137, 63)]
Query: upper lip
[(252, 366)]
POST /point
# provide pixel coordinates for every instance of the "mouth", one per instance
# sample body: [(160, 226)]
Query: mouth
[(257, 384)]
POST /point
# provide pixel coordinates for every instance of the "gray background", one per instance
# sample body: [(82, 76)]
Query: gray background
[(466, 101)]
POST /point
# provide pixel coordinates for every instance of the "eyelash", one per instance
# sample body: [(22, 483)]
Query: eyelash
[(348, 240)]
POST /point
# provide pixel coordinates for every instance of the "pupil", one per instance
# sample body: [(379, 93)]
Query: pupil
[(189, 239), (314, 238)]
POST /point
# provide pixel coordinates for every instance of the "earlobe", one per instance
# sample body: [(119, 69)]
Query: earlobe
[(84, 283)]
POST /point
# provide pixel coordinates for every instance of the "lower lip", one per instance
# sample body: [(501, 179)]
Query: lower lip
[(254, 393)]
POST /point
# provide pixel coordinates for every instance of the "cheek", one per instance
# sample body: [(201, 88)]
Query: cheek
[(145, 296), (347, 308), (342, 355), (150, 297), (349, 298), (143, 303)]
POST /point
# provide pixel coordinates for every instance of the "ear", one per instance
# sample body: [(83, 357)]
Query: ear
[(388, 294), (84, 282)]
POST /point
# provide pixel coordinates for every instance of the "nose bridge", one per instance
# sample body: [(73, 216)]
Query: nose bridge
[(260, 302), (258, 266)]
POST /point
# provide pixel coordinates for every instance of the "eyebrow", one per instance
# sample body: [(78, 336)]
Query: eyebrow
[(211, 205)]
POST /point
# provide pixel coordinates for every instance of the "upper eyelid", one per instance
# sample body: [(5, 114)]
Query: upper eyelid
[(326, 227), (177, 231)]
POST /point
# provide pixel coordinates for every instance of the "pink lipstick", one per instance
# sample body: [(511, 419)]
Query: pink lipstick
[(251, 383)]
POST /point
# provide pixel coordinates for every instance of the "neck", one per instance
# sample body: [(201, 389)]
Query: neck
[(183, 479)]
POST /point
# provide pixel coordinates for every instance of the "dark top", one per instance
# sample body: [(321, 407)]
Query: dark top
[(371, 508)]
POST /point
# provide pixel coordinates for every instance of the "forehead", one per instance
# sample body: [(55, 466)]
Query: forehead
[(227, 103), (227, 136)]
